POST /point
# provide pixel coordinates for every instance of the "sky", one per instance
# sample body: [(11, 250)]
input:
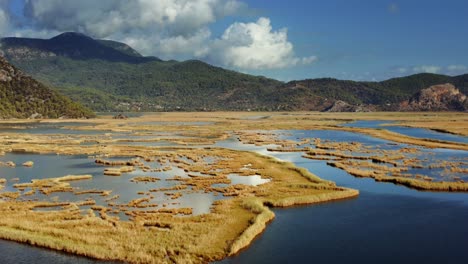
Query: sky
[(368, 40)]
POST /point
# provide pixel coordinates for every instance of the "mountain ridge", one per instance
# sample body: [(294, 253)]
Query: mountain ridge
[(77, 46), (122, 79)]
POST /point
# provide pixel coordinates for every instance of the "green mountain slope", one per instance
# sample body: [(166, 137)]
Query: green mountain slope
[(21, 97), (109, 76), (113, 68), (386, 94)]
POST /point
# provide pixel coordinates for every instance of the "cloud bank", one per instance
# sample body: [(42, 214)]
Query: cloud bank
[(170, 29), (448, 69)]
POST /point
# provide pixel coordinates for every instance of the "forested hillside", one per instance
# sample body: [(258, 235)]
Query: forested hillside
[(22, 97), (107, 75)]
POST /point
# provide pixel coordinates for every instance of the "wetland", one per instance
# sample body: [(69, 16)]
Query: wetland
[(200, 187)]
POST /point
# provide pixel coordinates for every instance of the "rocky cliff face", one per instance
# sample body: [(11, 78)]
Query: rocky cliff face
[(8, 73), (443, 97)]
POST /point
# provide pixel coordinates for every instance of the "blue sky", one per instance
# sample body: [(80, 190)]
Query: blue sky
[(373, 39), (345, 39)]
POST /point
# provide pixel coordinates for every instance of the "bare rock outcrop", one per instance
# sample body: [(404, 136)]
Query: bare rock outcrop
[(442, 97), (342, 106)]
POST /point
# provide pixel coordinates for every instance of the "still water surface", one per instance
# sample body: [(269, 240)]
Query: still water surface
[(386, 224), (408, 131)]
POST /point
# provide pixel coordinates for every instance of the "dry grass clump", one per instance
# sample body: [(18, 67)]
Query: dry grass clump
[(10, 195), (361, 161), (458, 169), (145, 179), (28, 164), (174, 195), (50, 185), (10, 164), (133, 162), (420, 182), (118, 171), (139, 202), (112, 172), (2, 182), (426, 185), (396, 137), (173, 188), (93, 191), (231, 225), (263, 216)]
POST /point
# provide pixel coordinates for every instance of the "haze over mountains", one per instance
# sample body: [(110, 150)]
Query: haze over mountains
[(111, 76)]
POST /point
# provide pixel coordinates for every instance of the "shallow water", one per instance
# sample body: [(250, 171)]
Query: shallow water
[(17, 253), (48, 128), (387, 223), (408, 131), (252, 180), (427, 156), (168, 123), (48, 166)]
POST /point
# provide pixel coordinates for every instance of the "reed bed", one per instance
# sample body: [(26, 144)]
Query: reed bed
[(159, 235), (230, 226)]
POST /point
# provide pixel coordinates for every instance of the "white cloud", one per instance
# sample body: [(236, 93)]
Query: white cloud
[(104, 18), (427, 69), (457, 68), (402, 70), (256, 46), (169, 29), (4, 19), (174, 46)]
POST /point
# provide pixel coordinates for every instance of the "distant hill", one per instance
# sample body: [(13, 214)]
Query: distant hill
[(23, 97), (107, 75), (386, 94), (71, 45), (122, 79)]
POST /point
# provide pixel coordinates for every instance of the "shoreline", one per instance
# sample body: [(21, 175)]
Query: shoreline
[(309, 187), (243, 216)]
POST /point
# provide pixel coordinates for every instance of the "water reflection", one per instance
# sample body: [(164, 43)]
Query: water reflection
[(252, 180)]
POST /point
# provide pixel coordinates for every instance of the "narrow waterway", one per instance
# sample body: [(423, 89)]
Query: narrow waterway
[(387, 223), (408, 131)]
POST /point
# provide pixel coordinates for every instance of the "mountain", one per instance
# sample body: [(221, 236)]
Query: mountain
[(121, 79), (107, 75), (21, 97), (71, 45), (442, 97), (386, 94)]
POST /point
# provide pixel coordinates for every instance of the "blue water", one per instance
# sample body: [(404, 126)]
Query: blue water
[(48, 166), (16, 253), (387, 223), (408, 131)]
